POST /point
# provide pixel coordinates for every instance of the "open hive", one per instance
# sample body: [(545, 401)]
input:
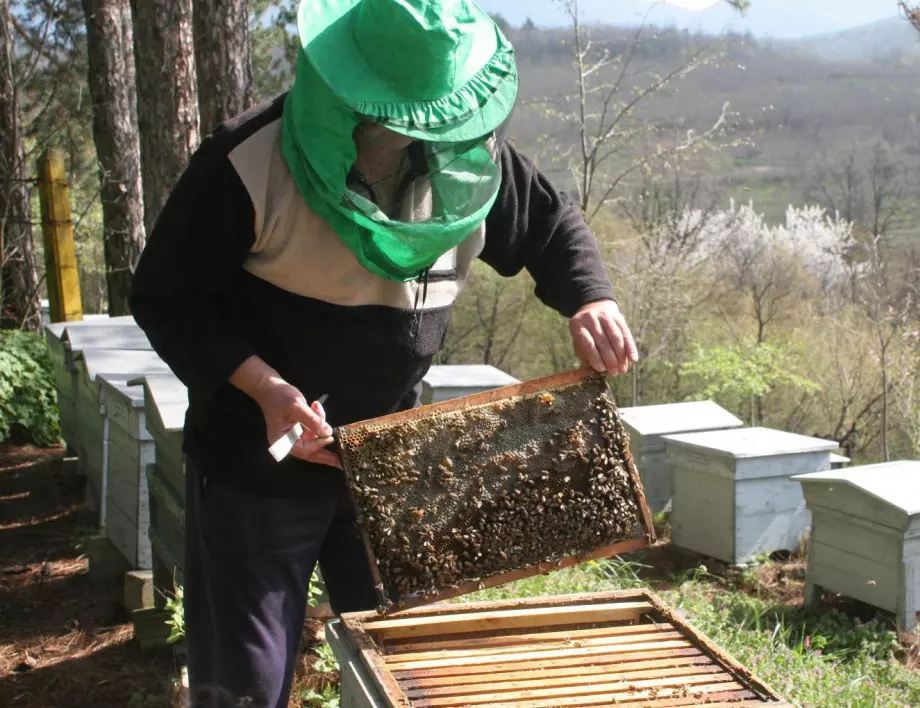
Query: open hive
[(624, 648), (492, 487)]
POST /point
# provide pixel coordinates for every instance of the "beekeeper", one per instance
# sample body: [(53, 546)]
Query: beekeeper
[(316, 245)]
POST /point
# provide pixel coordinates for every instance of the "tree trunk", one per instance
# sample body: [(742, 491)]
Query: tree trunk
[(110, 45), (167, 96), (20, 306), (222, 60)]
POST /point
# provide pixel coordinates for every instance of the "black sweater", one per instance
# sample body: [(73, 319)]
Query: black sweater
[(238, 265)]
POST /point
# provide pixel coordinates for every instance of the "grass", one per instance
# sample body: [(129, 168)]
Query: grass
[(820, 658)]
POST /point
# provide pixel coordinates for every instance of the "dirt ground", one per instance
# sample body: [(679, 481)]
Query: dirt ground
[(65, 640)]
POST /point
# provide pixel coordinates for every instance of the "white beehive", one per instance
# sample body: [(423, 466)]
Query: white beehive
[(733, 496), (166, 402), (453, 381), (90, 418), (124, 516), (647, 425), (865, 536), (63, 377), (58, 336)]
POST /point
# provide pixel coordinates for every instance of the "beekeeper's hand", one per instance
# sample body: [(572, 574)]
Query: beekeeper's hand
[(283, 407), (602, 339)]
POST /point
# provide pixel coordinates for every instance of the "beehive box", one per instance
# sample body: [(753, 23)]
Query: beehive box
[(443, 383), (124, 517), (64, 384), (165, 404), (484, 489), (865, 536), (624, 648), (167, 535), (60, 350), (647, 425), (733, 496), (89, 364)]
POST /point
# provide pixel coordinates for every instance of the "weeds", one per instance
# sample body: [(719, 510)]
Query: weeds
[(176, 621)]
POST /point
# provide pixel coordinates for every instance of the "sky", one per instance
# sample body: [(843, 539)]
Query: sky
[(774, 18), (690, 4)]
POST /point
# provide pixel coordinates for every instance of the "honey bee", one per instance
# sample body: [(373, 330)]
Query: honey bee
[(547, 399)]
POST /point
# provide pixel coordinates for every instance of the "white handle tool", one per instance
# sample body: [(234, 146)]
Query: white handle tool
[(282, 447)]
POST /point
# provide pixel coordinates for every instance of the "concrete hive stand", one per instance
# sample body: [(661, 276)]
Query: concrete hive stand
[(124, 514), (89, 364), (648, 424), (865, 536), (452, 381), (733, 496)]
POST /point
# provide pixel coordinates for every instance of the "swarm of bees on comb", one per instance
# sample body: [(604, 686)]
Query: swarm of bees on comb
[(467, 494)]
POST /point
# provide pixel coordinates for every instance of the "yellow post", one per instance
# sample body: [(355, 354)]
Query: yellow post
[(60, 251)]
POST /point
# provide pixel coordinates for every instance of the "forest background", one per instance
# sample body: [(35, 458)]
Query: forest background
[(757, 200)]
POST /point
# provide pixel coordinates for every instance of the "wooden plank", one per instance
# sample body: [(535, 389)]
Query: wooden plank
[(502, 640), (586, 688), (507, 619), (518, 390), (651, 636), (865, 574), (616, 658), (576, 669), (121, 530), (733, 699), (599, 695), (589, 675), (851, 581), (861, 539), (753, 682), (357, 622), (529, 655)]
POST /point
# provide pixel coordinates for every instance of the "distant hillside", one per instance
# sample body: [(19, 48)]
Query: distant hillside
[(884, 41), (794, 111), (787, 19)]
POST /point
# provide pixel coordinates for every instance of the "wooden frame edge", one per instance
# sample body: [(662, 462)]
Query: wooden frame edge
[(748, 677)]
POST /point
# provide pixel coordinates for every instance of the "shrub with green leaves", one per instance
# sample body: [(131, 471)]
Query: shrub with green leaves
[(28, 400)]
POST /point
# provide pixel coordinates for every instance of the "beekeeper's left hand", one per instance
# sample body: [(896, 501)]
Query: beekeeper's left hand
[(602, 339)]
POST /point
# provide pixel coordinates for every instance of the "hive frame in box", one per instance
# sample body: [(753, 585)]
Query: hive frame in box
[(359, 625), (647, 538)]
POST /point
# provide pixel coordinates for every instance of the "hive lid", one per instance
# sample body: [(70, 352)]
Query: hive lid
[(59, 329), (467, 376), (133, 362), (895, 483), (166, 399), (55, 330), (493, 487), (752, 442), (123, 334), (684, 417), (117, 385)]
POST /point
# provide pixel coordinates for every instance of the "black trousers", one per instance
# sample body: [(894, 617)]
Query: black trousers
[(248, 563)]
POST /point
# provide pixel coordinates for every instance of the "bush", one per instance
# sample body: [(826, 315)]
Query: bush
[(28, 400)]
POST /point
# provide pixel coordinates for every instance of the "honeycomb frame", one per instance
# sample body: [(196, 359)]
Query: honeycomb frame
[(485, 489)]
